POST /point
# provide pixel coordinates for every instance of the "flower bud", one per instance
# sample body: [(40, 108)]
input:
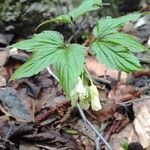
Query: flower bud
[(94, 95), (78, 93)]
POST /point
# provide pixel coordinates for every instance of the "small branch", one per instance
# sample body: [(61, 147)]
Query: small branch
[(102, 80), (74, 34), (52, 74), (88, 74), (97, 143), (93, 128), (135, 100)]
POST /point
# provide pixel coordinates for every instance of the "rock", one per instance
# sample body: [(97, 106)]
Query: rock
[(5, 39)]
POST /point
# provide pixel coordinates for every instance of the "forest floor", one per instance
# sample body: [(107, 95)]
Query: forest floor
[(35, 115)]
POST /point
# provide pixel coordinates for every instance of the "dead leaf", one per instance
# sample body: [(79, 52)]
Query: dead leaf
[(100, 70), (121, 93), (7, 145), (142, 122), (3, 57), (105, 113), (20, 131), (14, 105), (80, 126), (2, 81), (86, 144), (28, 146), (126, 135), (58, 105), (60, 140)]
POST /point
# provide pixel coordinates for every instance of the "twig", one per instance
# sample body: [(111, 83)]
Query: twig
[(52, 74), (135, 100), (10, 129), (97, 143), (102, 80), (93, 128), (76, 32)]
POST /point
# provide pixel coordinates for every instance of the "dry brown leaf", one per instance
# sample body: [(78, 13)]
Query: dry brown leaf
[(105, 113), (142, 122), (28, 147), (121, 93), (2, 81), (100, 70), (128, 135), (14, 105)]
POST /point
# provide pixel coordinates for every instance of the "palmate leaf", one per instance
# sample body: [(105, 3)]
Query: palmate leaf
[(85, 6), (69, 65), (110, 25), (68, 60), (43, 40), (125, 40), (114, 48), (115, 56)]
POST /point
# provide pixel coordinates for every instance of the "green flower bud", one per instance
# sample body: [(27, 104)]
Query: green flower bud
[(94, 95)]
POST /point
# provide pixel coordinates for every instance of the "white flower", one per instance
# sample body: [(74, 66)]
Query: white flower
[(94, 95), (78, 93)]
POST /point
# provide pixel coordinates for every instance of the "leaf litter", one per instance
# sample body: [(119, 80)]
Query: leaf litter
[(34, 113)]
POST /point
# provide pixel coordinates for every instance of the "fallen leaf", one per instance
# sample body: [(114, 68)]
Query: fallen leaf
[(100, 70), (20, 131), (123, 92), (3, 57), (106, 112), (14, 105), (126, 135), (86, 144), (27, 146), (142, 122), (2, 81), (56, 138)]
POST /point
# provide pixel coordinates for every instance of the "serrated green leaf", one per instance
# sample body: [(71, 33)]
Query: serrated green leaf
[(69, 65), (43, 40), (38, 61), (85, 6), (125, 40), (66, 19), (109, 25), (115, 56), (49, 49)]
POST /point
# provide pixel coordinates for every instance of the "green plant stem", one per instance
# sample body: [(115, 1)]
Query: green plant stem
[(88, 74), (73, 32)]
